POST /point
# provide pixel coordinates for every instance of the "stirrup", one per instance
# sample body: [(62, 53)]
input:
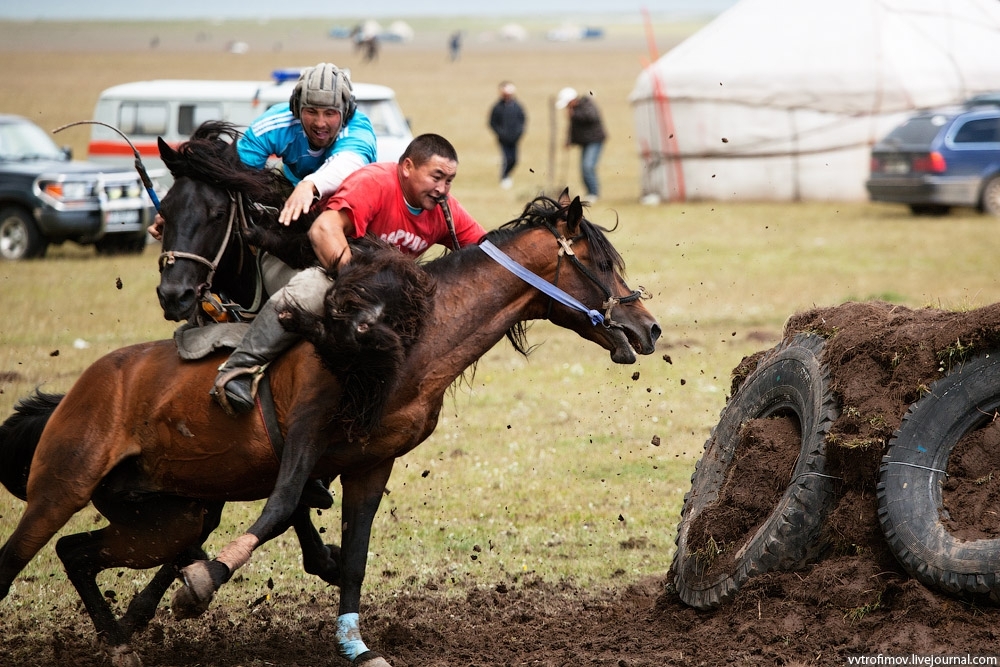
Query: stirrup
[(226, 375)]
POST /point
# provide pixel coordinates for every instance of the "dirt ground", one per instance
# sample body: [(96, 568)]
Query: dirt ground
[(854, 600)]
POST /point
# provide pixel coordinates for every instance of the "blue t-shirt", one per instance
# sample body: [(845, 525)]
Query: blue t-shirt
[(277, 132)]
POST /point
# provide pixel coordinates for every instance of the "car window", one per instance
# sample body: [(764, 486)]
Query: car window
[(978, 131), (920, 131), (148, 118), (386, 118), (19, 141), (191, 116)]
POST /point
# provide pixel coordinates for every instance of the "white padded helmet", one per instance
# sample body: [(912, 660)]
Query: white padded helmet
[(324, 86)]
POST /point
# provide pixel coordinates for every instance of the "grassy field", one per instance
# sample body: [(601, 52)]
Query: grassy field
[(545, 465)]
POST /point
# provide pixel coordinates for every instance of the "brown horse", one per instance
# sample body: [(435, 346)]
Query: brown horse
[(139, 436)]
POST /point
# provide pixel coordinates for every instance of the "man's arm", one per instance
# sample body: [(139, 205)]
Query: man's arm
[(328, 235)]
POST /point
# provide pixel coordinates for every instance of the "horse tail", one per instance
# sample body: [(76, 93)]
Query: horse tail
[(19, 436)]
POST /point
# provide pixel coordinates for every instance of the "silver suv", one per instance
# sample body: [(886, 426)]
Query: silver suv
[(46, 197)]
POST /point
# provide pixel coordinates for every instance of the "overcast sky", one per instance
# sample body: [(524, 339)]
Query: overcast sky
[(257, 9)]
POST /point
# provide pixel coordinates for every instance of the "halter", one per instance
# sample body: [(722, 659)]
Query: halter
[(552, 289), (566, 249), (237, 211)]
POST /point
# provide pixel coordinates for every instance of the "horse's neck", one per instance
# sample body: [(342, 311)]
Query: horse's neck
[(475, 304)]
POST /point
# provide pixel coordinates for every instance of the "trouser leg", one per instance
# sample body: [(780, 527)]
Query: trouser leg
[(588, 167)]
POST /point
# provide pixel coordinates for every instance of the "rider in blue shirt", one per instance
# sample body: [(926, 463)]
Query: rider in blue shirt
[(319, 138)]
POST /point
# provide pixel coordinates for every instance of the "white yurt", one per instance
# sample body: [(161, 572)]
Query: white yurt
[(782, 99)]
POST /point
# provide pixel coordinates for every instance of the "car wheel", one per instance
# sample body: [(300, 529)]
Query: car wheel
[(911, 508), (929, 209), (19, 235), (990, 201), (122, 244), (789, 380)]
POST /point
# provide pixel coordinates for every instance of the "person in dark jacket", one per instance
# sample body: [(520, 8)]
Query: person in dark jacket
[(507, 120), (587, 131)]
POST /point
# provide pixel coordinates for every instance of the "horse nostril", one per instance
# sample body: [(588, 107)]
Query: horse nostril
[(654, 332)]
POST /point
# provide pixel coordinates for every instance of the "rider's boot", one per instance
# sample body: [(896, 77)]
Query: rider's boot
[(236, 384)]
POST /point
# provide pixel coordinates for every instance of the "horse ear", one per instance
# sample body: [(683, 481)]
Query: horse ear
[(564, 198), (574, 214), (165, 150)]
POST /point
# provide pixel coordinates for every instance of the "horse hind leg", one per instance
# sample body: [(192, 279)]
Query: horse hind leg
[(39, 523), (167, 532), (143, 606)]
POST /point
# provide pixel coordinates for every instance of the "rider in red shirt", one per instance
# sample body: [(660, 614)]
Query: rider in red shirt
[(400, 203)]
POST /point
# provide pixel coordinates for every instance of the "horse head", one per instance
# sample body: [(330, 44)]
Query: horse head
[(575, 256), (373, 313), (205, 216)]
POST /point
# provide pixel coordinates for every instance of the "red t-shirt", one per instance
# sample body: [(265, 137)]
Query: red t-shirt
[(373, 199)]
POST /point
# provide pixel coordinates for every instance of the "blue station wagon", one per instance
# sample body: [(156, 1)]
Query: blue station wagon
[(941, 158)]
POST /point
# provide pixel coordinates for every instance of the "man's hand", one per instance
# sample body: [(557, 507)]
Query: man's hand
[(156, 229), (298, 202), (328, 235)]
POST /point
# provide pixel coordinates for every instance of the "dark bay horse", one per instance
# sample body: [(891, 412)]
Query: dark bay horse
[(139, 435)]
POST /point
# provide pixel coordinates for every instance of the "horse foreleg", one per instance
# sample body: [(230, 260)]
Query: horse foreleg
[(362, 496), (318, 558), (203, 578)]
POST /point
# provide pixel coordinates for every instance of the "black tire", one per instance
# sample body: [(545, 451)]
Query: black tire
[(122, 244), (932, 210), (910, 496), (989, 202), (19, 235), (788, 379)]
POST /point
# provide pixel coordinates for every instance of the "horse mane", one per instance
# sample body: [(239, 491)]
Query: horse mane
[(210, 156), (19, 436), (373, 313)]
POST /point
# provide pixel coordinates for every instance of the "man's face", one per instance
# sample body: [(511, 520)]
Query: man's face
[(426, 185), (321, 126)]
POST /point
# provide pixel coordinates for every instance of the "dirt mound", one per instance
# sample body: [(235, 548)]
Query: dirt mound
[(856, 599)]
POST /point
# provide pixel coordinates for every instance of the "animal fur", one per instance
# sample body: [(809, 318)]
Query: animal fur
[(374, 312)]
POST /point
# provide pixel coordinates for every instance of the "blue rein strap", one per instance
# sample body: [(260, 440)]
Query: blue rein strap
[(534, 280)]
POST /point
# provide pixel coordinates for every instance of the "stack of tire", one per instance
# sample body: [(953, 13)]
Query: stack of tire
[(790, 379)]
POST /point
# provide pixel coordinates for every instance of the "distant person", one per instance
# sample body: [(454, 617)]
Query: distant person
[(507, 120), (587, 131), (455, 45)]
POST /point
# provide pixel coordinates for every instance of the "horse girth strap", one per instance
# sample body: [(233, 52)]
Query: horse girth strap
[(265, 399)]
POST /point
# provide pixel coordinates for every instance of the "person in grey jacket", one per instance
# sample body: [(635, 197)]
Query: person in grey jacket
[(586, 129), (507, 120)]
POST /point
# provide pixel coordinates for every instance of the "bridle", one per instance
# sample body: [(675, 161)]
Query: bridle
[(610, 301), (555, 292), (237, 215)]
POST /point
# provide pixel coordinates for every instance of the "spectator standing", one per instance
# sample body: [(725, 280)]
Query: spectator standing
[(507, 120), (586, 130)]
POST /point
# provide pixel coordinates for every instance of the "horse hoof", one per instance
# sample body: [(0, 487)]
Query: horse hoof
[(124, 656), (193, 598), (370, 659)]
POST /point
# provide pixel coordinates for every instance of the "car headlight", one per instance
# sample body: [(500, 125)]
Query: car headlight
[(66, 191)]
